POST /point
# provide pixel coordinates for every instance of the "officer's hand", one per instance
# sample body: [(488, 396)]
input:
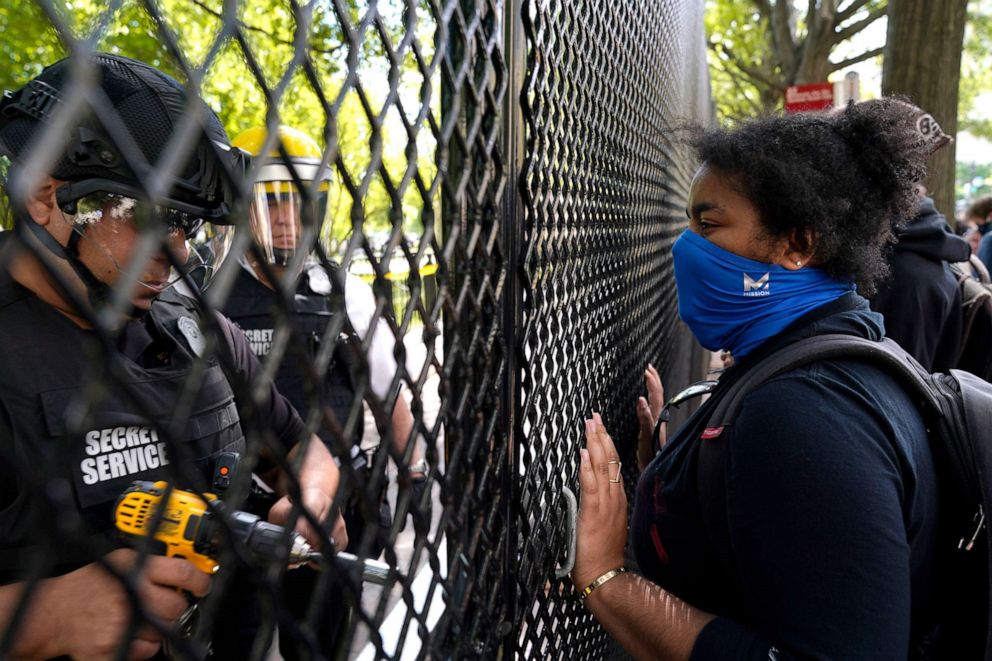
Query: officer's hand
[(92, 610), (339, 533), (318, 503), (318, 477)]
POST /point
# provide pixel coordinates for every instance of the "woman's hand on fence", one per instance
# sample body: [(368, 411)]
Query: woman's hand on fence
[(602, 522), (648, 410)]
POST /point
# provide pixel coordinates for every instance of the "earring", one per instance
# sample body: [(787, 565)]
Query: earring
[(799, 262)]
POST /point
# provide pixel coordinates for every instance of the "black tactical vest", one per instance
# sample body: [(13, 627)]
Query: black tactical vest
[(250, 304), (94, 433)]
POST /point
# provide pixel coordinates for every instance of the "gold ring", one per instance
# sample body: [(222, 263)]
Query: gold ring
[(619, 472)]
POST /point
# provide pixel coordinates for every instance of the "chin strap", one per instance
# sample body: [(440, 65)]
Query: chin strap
[(282, 256), (96, 290)]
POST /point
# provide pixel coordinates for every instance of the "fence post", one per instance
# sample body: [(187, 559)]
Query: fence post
[(515, 47)]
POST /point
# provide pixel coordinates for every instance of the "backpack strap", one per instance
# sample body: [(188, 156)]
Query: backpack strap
[(979, 266), (976, 298), (886, 354), (711, 469)]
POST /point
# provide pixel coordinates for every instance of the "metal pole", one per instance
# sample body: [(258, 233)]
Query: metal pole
[(515, 46)]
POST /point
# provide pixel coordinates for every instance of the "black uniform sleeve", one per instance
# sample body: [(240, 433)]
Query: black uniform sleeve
[(8, 463), (815, 509), (282, 418)]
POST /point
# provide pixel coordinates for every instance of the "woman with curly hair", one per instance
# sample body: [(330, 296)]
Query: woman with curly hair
[(830, 487)]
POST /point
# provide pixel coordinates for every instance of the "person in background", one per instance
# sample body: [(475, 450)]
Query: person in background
[(921, 300), (286, 223), (979, 213), (974, 238)]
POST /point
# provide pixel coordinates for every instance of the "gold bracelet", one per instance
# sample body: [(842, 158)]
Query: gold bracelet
[(599, 581)]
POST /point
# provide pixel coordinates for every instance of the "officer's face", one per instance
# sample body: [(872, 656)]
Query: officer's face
[(284, 214), (115, 252)]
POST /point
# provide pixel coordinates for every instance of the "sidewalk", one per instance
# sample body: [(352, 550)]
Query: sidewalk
[(396, 624)]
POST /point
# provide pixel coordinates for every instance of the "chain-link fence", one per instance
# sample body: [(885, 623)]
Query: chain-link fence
[(482, 197)]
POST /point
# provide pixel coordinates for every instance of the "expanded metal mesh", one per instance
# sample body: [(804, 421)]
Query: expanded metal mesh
[(507, 178), (607, 88)]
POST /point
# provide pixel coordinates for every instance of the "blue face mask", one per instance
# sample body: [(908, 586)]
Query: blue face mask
[(731, 302)]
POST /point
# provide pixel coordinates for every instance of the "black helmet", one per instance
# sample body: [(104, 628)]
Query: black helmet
[(150, 105)]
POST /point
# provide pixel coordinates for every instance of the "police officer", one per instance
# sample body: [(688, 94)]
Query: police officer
[(285, 220), (108, 376)]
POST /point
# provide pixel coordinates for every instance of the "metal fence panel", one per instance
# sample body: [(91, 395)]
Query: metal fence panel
[(506, 175), (604, 184)]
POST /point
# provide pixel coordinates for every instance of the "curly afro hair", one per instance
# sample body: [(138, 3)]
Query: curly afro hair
[(843, 180)]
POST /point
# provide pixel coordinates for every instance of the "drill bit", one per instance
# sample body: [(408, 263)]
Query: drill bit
[(373, 571)]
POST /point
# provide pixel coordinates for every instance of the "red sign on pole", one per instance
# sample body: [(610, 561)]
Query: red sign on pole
[(815, 96)]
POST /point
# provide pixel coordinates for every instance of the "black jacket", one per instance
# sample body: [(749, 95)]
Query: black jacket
[(921, 302), (831, 510)]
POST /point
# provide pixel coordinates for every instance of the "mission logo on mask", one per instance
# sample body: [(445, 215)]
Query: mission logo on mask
[(757, 285), (728, 302)]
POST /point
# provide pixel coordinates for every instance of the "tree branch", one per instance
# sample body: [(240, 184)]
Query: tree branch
[(981, 128), (764, 8), (763, 77), (854, 28), (739, 82), (812, 21), (818, 21), (785, 44), (831, 66), (244, 26), (850, 10)]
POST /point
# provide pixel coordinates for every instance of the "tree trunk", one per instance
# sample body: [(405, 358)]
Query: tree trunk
[(923, 62)]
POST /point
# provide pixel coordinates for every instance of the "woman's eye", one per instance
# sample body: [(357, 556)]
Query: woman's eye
[(705, 226)]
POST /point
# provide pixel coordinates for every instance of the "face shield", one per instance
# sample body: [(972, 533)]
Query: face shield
[(198, 245), (283, 222)]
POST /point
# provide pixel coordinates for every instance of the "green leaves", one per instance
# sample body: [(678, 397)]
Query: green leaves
[(744, 73), (380, 151), (757, 48), (975, 113)]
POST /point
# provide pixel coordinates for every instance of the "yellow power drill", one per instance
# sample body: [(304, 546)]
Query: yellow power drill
[(189, 528)]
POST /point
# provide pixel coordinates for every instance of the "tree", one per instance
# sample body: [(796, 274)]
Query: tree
[(760, 47), (976, 70), (135, 28), (923, 62)]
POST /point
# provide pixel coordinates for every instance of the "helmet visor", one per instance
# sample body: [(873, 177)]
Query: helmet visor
[(119, 211), (282, 222)]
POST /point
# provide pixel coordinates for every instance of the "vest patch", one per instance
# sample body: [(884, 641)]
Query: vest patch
[(260, 340), (121, 451), (191, 332)]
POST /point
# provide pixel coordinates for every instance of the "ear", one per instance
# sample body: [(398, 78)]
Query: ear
[(41, 203), (797, 250)]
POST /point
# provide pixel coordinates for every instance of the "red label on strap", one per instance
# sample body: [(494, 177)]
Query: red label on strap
[(711, 432)]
